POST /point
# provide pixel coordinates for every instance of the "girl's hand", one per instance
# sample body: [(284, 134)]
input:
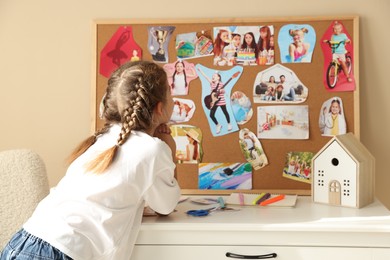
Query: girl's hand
[(163, 132), (162, 129)]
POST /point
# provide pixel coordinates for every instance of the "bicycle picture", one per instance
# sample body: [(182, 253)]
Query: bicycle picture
[(335, 66), (338, 51)]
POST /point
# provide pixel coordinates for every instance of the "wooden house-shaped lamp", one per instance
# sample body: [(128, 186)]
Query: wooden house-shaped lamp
[(343, 173)]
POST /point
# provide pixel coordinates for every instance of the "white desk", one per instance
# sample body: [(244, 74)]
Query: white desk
[(307, 231)]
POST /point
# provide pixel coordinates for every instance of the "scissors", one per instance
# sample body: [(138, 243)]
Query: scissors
[(200, 212)]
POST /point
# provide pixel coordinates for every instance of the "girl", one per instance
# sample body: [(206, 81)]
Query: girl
[(249, 44), (334, 121), (298, 48), (217, 86), (95, 211), (179, 84), (192, 148), (220, 42), (264, 42)]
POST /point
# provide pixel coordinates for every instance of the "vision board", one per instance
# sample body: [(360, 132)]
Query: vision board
[(258, 98)]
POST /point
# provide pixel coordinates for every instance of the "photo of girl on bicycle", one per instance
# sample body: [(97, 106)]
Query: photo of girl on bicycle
[(337, 48)]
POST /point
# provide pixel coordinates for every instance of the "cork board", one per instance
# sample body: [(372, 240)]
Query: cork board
[(226, 148)]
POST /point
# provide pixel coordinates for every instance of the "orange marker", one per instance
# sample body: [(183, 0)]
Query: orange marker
[(272, 200)]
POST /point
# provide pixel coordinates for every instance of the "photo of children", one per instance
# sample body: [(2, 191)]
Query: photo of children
[(338, 53), (243, 45), (331, 120), (180, 73), (158, 41), (188, 141), (216, 89), (252, 150), (283, 122), (242, 107), (296, 43), (298, 166), (225, 176), (183, 110), (278, 84)]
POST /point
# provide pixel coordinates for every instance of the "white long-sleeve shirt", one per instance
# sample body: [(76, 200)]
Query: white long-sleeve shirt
[(97, 216)]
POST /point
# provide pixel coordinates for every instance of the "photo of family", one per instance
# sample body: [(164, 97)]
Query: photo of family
[(252, 150), (225, 176), (244, 45), (278, 84), (298, 166), (296, 43), (283, 122)]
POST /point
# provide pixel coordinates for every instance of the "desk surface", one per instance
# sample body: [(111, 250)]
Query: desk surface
[(307, 223)]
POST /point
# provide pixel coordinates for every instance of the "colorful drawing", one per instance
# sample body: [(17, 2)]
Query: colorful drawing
[(216, 88), (183, 110), (188, 141), (279, 84), (242, 107), (193, 45), (283, 122), (118, 50), (338, 53), (159, 37), (180, 73), (225, 176), (298, 166), (243, 45), (252, 150), (332, 120), (296, 43)]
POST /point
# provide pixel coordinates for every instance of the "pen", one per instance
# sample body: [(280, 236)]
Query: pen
[(241, 198), (272, 200), (265, 197), (254, 202)]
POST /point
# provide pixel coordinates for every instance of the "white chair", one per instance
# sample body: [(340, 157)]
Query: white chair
[(23, 183)]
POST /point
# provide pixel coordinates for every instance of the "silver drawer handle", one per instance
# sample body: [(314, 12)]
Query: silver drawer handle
[(233, 255)]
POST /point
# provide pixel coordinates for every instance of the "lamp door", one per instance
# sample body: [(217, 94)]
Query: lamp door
[(334, 193)]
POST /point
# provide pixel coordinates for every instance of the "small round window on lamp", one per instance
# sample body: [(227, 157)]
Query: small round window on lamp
[(335, 161)]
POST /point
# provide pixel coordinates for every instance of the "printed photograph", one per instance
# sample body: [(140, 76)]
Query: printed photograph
[(296, 43), (283, 122), (279, 84), (298, 166), (338, 51), (244, 45), (225, 176), (188, 141), (252, 150), (332, 120)]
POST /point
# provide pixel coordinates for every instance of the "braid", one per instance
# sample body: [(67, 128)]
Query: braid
[(133, 92), (84, 145)]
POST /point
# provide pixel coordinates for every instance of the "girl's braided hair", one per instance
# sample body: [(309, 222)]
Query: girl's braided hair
[(133, 92)]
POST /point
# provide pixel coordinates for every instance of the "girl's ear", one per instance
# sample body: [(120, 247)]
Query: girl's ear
[(159, 109)]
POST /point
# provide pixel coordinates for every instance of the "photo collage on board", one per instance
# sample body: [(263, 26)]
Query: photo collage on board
[(218, 58)]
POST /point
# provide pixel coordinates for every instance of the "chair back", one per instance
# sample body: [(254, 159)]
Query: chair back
[(23, 183)]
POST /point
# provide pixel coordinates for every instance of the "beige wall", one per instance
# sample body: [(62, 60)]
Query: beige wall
[(46, 60)]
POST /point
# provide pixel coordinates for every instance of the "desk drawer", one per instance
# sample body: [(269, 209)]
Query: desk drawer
[(142, 252)]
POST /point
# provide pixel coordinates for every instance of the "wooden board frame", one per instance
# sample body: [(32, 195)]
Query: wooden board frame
[(263, 179)]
